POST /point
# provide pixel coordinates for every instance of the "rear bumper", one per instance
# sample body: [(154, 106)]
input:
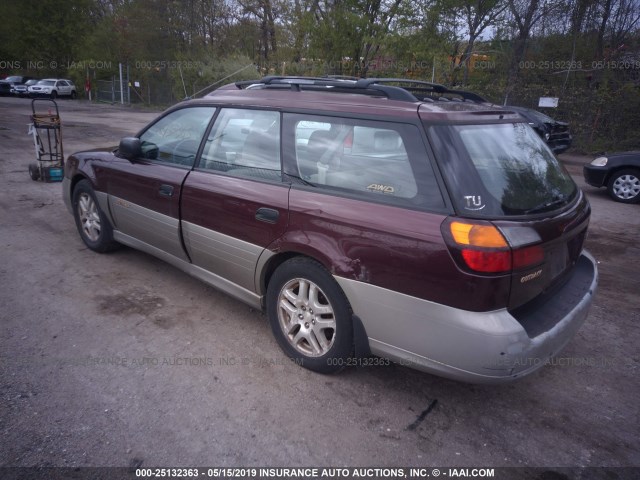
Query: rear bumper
[(477, 347)]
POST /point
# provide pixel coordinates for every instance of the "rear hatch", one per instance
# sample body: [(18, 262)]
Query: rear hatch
[(561, 238), (518, 212)]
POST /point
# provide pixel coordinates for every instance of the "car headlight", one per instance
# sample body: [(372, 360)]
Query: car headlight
[(600, 162)]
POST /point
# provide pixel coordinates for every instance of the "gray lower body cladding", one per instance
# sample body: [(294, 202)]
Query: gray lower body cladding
[(478, 347)]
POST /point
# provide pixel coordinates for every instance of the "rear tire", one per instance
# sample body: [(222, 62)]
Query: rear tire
[(73, 95), (34, 171), (624, 186), (310, 316), (94, 227)]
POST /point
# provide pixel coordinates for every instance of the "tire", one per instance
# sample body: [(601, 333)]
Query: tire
[(320, 340), (624, 186), (34, 171), (73, 95), (94, 227), (53, 95)]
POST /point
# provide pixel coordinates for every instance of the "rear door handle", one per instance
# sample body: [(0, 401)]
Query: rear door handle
[(166, 190), (268, 215)]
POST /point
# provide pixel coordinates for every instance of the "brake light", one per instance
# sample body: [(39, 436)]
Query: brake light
[(481, 247), (527, 257), (488, 262)]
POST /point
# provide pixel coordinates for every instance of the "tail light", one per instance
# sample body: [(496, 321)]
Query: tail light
[(479, 246)]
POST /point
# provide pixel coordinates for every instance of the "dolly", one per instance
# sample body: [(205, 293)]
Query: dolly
[(46, 130)]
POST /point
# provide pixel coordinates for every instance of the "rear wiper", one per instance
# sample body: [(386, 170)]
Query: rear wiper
[(546, 205)]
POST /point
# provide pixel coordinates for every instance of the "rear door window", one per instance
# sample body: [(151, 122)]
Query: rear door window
[(380, 161)]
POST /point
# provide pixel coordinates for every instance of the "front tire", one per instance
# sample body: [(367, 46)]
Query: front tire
[(94, 227), (53, 95), (34, 171), (624, 186), (310, 316)]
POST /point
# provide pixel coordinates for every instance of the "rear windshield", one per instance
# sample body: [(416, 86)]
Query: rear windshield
[(499, 170)]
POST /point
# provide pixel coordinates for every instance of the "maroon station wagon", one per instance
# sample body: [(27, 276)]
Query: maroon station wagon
[(373, 220)]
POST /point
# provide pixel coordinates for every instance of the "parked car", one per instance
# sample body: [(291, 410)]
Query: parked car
[(554, 132), (52, 87), (22, 89), (7, 85), (619, 172), (363, 218)]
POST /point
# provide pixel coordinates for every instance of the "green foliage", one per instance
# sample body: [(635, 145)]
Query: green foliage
[(43, 36), (174, 47), (190, 78)]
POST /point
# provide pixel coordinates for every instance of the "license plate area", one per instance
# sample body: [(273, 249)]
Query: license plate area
[(557, 260)]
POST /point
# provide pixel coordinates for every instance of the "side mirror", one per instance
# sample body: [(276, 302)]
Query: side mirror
[(130, 148)]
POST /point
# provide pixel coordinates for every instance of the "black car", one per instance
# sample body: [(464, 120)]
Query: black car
[(7, 85), (5, 88), (619, 172), (555, 133)]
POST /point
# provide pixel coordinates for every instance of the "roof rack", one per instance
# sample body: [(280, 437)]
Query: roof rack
[(406, 90), (422, 88), (337, 85)]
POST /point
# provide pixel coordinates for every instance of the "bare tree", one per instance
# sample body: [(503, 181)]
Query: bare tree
[(263, 10), (479, 16), (526, 14), (624, 18)]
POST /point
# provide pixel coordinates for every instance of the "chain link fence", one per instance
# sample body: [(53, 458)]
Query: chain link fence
[(149, 91)]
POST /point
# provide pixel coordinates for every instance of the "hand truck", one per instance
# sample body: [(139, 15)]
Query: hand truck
[(46, 130)]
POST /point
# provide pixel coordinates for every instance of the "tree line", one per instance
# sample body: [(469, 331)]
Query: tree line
[(586, 52)]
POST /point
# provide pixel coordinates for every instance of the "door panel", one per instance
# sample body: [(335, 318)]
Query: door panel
[(144, 199), (144, 195), (63, 88), (223, 229)]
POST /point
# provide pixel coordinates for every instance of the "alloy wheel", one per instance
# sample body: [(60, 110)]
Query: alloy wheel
[(89, 217), (306, 317)]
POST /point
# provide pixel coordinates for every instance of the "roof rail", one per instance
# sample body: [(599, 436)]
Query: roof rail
[(419, 86), (406, 90)]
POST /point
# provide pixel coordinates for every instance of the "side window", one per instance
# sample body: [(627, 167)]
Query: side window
[(378, 160), (175, 138), (245, 143)]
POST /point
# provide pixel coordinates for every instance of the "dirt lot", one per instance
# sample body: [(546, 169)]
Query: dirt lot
[(120, 359)]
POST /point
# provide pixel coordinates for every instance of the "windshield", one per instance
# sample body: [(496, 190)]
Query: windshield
[(501, 170), (46, 82), (13, 79)]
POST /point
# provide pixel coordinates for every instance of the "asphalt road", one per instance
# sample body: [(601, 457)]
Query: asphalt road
[(122, 360)]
